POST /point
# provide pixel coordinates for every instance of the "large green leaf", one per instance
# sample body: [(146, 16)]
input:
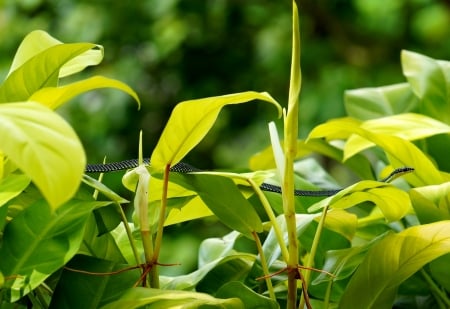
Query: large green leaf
[(407, 126), (102, 286), (231, 208), (40, 71), (400, 151), (393, 202), (391, 261), (155, 299), (39, 241), (43, 146), (37, 41), (430, 81), (190, 122), (370, 103), (53, 97)]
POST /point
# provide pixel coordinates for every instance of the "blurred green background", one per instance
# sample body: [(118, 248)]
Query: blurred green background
[(175, 50)]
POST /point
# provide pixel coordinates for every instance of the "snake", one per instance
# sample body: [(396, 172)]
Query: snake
[(182, 167)]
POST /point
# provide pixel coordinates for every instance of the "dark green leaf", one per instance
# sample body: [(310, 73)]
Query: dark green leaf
[(38, 242)]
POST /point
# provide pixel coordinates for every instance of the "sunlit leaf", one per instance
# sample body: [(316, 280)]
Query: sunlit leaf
[(44, 147), (103, 189), (406, 126), (359, 164), (391, 261), (341, 222), (370, 103), (38, 241), (12, 186), (430, 83), (40, 71), (155, 299), (431, 203), (400, 151), (37, 41), (190, 122), (393, 202), (54, 97)]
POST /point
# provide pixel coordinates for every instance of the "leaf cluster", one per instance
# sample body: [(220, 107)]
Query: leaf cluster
[(372, 245)]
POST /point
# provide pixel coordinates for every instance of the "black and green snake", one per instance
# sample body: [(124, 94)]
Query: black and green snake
[(186, 168)]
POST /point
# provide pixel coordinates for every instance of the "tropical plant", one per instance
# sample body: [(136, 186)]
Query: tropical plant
[(374, 244)]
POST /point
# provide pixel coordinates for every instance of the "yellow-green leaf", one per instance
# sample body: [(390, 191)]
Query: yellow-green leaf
[(190, 122), (38, 41), (393, 260), (40, 71), (53, 97), (393, 202), (43, 146), (407, 126)]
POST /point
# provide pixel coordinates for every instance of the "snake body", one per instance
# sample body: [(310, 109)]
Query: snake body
[(187, 168)]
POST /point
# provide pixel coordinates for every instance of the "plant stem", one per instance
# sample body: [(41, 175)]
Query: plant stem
[(162, 216), (129, 234), (264, 266), (435, 289), (272, 218), (310, 263), (290, 151)]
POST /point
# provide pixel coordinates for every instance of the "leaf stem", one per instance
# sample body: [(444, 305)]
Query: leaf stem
[(162, 216), (435, 289), (310, 263), (264, 266), (266, 205), (290, 150)]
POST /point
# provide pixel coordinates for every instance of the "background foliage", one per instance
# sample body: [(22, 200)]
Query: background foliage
[(170, 51)]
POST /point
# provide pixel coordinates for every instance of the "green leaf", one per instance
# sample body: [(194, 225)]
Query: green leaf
[(44, 147), (12, 186), (82, 290), (38, 241), (231, 208), (191, 120), (400, 151), (430, 81), (102, 247), (370, 103), (250, 299), (441, 272), (213, 253), (100, 187), (393, 202), (391, 261), (406, 126), (342, 263), (107, 218), (359, 164), (38, 41), (271, 247), (40, 71), (54, 97), (154, 299), (431, 203)]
